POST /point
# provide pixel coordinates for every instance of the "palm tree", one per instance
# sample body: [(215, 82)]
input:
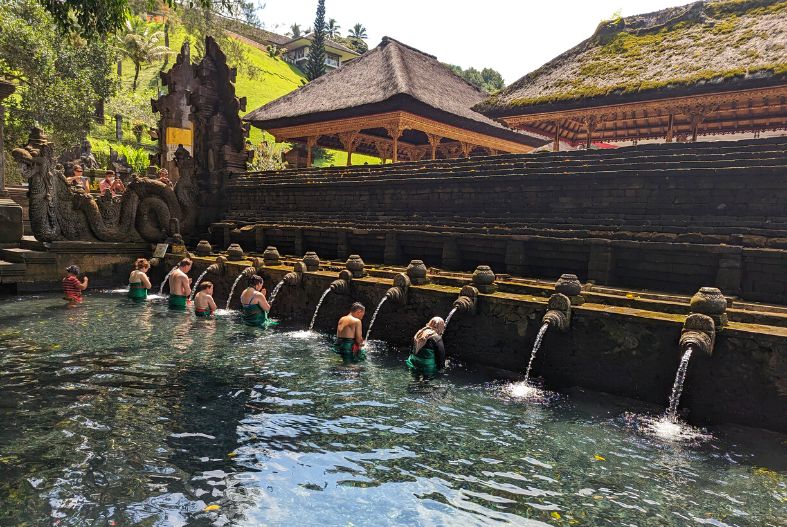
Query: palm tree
[(358, 31), (332, 28), (295, 30), (140, 43)]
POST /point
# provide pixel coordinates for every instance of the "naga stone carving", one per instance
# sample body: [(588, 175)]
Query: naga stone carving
[(59, 211)]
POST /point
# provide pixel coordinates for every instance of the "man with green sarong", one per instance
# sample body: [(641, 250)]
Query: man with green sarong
[(349, 335), (180, 286)]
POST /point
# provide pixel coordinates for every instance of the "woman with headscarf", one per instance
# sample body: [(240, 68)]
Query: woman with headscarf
[(428, 356)]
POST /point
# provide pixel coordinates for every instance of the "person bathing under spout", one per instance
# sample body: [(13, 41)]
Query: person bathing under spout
[(180, 285), (204, 305), (138, 281), (428, 356), (254, 304), (349, 335)]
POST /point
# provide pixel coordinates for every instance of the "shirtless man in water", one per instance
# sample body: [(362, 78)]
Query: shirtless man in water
[(349, 335), (180, 285)]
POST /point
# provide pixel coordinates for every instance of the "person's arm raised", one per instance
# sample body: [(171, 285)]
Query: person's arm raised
[(263, 302), (145, 281)]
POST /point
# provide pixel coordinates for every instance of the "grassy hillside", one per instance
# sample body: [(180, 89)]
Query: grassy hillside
[(260, 79)]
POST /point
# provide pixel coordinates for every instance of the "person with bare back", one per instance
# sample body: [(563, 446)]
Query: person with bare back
[(349, 335), (180, 285)]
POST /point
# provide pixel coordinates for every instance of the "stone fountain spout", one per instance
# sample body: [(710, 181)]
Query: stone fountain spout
[(342, 285), (295, 277), (698, 333), (218, 265), (401, 287), (467, 300), (249, 271), (558, 313)]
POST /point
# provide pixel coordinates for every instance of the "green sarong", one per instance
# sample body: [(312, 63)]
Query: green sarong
[(423, 362), (136, 291), (344, 348), (254, 315), (178, 302), (206, 313)]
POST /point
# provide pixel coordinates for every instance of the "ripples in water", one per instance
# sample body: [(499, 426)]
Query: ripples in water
[(128, 414)]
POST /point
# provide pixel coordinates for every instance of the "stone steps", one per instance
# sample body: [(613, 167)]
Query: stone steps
[(11, 270), (30, 242)]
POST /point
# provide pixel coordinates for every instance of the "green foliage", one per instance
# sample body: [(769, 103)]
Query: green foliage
[(358, 31), (315, 67), (268, 155), (487, 79), (355, 44), (332, 28), (59, 78), (295, 30), (139, 42), (275, 51), (96, 19), (136, 157)]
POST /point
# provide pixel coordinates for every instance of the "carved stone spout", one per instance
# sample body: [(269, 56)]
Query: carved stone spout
[(401, 287), (295, 277), (558, 313), (342, 285), (467, 300), (698, 333), (249, 271)]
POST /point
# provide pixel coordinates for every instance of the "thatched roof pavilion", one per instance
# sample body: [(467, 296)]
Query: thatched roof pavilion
[(393, 102), (712, 67)]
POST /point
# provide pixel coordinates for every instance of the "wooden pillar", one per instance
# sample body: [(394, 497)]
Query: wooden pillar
[(395, 131), (670, 128), (434, 140), (466, 148), (590, 126), (556, 144), (348, 140), (310, 142), (696, 118)]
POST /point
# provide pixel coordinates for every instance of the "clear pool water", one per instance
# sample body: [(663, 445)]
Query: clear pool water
[(123, 414)]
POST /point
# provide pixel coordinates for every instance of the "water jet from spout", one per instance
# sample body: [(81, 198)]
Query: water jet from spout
[(677, 386), (243, 273), (199, 279), (374, 316), (317, 309), (536, 346), (448, 318), (163, 282), (275, 292)]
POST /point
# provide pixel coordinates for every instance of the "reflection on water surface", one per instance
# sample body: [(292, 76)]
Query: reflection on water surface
[(123, 414)]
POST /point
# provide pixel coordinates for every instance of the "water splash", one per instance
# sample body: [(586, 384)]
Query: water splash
[(163, 282), (232, 289), (536, 346), (677, 386), (199, 279), (317, 309), (448, 319), (222, 312), (374, 316), (275, 292)]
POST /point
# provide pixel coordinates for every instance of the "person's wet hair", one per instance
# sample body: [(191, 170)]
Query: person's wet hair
[(357, 306), (254, 280), (184, 262), (73, 269), (141, 263), (204, 285)]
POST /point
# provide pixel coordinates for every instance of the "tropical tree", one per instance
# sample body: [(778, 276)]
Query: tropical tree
[(140, 43), (332, 28), (315, 67), (358, 31), (295, 30), (59, 78)]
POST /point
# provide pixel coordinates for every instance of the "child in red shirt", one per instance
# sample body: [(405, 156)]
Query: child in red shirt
[(72, 287)]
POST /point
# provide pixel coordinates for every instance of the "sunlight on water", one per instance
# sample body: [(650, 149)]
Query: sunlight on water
[(222, 312), (524, 391), (667, 428)]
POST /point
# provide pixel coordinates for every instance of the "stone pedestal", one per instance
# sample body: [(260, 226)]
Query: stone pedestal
[(11, 220)]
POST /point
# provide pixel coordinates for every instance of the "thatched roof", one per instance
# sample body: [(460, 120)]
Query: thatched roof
[(390, 77), (702, 47)]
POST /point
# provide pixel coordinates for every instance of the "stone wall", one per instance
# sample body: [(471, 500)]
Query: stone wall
[(628, 352), (668, 217)]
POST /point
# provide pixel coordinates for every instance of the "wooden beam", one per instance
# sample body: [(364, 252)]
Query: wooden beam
[(556, 143), (310, 142)]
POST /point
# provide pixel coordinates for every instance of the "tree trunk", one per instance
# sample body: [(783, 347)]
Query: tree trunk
[(136, 76)]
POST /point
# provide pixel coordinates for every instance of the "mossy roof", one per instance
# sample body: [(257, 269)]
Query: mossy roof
[(702, 47)]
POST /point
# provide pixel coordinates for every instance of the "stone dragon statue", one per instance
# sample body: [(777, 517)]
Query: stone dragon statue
[(145, 212)]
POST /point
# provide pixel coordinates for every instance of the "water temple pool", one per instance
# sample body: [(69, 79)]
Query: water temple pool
[(124, 414)]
